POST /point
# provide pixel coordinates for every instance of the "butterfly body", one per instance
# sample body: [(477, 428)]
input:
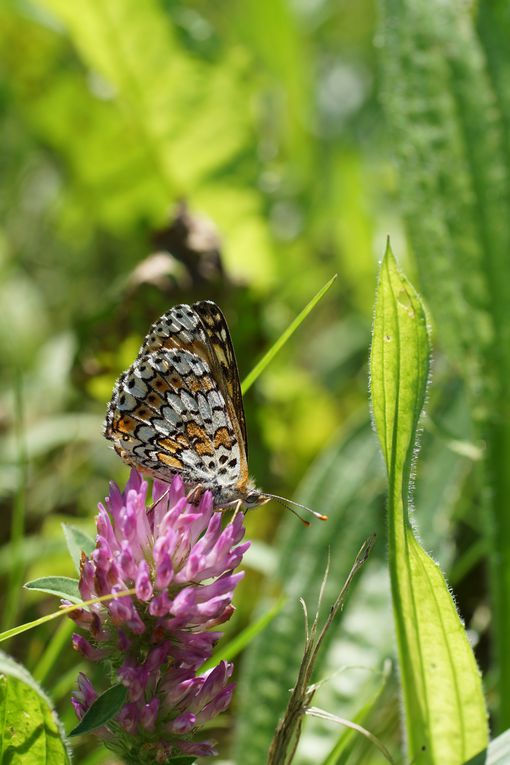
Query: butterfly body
[(178, 409)]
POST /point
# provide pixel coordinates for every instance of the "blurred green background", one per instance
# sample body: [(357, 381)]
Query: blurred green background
[(160, 152)]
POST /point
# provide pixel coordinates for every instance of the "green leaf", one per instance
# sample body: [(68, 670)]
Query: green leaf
[(102, 710), (153, 122), (77, 541), (30, 731), (63, 586), (278, 345), (446, 720), (62, 611)]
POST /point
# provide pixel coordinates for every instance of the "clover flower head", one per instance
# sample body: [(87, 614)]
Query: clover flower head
[(180, 560)]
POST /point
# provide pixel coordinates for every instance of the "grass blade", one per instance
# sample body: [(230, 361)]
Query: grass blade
[(278, 345), (446, 720), (16, 567), (53, 651), (239, 643), (7, 634)]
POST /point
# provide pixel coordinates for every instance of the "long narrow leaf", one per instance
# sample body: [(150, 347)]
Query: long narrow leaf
[(445, 713), (7, 634), (278, 345), (16, 567), (239, 643), (53, 651)]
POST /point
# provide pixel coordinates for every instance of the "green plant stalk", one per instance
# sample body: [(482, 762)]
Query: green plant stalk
[(445, 714), (8, 634), (15, 579), (56, 645)]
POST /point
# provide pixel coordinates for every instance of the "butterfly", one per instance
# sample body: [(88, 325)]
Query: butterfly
[(178, 409)]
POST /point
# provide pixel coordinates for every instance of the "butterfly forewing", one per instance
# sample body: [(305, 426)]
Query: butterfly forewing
[(227, 374)]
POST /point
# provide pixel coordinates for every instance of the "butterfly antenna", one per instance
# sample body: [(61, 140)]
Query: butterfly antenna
[(288, 502)]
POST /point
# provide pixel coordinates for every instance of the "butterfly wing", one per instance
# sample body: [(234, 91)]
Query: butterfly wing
[(227, 373), (171, 412)]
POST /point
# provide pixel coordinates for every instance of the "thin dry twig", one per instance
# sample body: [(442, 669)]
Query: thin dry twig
[(287, 734)]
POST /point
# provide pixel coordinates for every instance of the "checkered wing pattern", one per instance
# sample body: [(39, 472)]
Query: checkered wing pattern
[(178, 408), (224, 359)]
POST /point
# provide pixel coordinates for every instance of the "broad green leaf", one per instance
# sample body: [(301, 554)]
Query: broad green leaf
[(278, 345), (77, 542), (102, 710), (367, 634), (63, 586), (30, 731), (152, 121), (446, 720), (345, 483)]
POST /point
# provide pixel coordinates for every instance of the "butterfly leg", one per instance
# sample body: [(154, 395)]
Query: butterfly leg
[(237, 507), (195, 495), (156, 503)]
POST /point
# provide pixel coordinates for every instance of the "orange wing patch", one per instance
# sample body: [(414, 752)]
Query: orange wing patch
[(200, 441), (170, 445), (167, 459), (222, 438)]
